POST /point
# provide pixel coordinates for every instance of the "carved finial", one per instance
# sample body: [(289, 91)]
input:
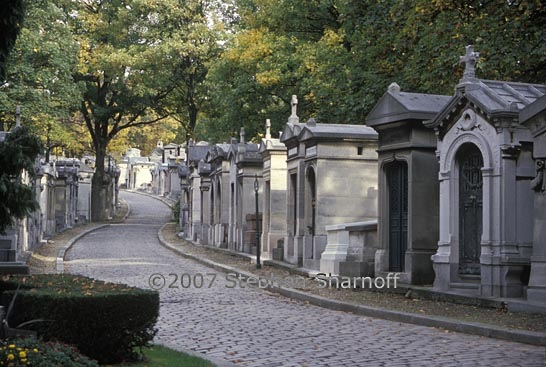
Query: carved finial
[(242, 135), (470, 60), (17, 116), (311, 122), (294, 103), (268, 129), (394, 88)]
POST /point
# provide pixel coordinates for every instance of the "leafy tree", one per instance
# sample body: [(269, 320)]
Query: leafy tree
[(11, 18), (39, 77), (18, 153), (19, 149), (339, 56), (139, 61)]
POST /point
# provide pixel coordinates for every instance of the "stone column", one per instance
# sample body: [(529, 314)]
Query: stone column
[(534, 117), (537, 285)]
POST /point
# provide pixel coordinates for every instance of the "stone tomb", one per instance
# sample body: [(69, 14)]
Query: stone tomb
[(332, 179), (219, 194), (196, 153), (340, 181), (274, 199), (204, 170), (245, 165), (66, 193), (295, 230), (486, 167), (534, 117), (408, 184)]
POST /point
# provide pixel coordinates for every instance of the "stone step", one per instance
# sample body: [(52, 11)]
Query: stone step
[(464, 285)]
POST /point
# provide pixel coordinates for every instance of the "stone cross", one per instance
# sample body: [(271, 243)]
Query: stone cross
[(242, 135), (294, 103), (268, 129), (470, 60)]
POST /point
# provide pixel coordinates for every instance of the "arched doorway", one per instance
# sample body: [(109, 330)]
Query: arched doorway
[(397, 181), (470, 163)]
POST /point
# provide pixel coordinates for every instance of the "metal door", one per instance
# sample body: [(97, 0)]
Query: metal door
[(470, 209), (397, 179)]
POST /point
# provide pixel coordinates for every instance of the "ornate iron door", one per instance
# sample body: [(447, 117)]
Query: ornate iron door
[(397, 179), (470, 209)]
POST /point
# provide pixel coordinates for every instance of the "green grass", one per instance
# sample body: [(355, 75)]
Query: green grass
[(158, 356)]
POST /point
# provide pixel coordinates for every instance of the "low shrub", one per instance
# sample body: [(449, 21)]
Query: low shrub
[(105, 321), (176, 211), (36, 353)]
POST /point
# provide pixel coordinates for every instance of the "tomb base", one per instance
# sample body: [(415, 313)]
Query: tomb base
[(537, 287), (13, 268)]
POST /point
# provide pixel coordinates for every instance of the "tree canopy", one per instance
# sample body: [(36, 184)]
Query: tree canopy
[(339, 56)]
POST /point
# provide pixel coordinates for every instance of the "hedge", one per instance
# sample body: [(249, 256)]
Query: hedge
[(105, 321)]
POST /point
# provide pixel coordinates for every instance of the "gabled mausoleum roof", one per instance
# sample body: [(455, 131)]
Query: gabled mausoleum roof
[(197, 153), (313, 130), (491, 98), (395, 106)]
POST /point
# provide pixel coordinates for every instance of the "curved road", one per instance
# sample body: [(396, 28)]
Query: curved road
[(250, 327)]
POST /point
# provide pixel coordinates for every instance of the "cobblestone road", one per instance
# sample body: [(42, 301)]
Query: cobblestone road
[(251, 327)]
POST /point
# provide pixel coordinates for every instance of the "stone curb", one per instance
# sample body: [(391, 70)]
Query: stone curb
[(62, 251), (520, 336)]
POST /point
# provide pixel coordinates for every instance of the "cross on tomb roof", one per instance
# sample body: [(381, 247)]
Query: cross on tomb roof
[(470, 59), (268, 129), (294, 117)]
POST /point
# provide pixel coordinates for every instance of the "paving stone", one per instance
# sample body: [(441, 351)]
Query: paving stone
[(253, 328)]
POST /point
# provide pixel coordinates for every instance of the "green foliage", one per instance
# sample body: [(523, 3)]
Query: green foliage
[(104, 321), (158, 356), (11, 18), (339, 56), (32, 352), (39, 76), (17, 155), (176, 211)]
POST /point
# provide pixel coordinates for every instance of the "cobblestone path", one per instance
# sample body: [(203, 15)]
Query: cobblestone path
[(251, 327)]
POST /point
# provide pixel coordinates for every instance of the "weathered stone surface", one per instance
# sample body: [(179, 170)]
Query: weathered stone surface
[(534, 117), (408, 183), (479, 129)]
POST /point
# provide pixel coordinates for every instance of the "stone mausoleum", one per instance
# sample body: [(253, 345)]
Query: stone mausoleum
[(486, 169), (408, 184)]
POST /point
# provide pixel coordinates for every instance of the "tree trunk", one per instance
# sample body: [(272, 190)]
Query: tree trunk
[(100, 203)]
